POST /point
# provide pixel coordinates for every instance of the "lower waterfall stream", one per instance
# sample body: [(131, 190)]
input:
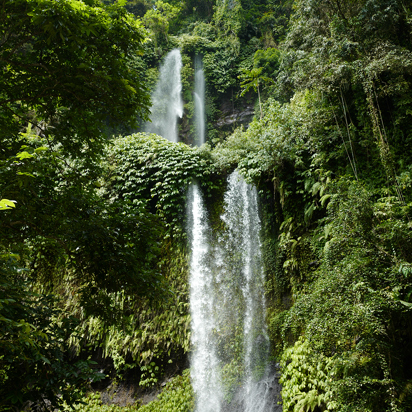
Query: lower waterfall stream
[(230, 365)]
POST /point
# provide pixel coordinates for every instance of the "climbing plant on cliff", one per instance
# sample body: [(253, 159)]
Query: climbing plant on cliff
[(147, 174), (150, 172)]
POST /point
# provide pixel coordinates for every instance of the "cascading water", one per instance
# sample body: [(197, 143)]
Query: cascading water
[(242, 249), (230, 368), (204, 361), (229, 337), (167, 101), (199, 97)]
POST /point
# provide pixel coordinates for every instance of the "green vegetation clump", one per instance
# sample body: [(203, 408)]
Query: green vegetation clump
[(93, 403), (177, 396), (148, 171), (35, 366), (305, 379)]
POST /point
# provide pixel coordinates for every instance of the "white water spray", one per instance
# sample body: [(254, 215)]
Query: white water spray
[(204, 360), (229, 366), (167, 101), (242, 248)]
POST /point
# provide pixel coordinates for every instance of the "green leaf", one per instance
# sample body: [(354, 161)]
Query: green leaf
[(323, 199), (408, 304), (6, 204), (25, 174), (24, 155), (40, 149)]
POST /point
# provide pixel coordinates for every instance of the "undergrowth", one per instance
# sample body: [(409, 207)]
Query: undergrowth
[(177, 396)]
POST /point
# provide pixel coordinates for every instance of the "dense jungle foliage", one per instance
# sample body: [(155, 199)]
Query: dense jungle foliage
[(93, 244)]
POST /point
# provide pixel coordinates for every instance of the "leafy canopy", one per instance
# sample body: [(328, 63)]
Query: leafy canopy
[(64, 67)]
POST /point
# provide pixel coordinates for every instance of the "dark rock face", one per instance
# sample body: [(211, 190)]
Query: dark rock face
[(237, 117), (274, 389), (231, 116)]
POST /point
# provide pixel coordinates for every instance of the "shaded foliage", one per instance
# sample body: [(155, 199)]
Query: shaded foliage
[(65, 70), (335, 153), (36, 369)]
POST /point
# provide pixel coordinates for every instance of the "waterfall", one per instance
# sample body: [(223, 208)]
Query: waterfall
[(167, 102), (199, 97), (204, 361), (241, 257), (229, 334)]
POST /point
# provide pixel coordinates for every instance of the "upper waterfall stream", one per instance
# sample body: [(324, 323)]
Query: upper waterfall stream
[(167, 103)]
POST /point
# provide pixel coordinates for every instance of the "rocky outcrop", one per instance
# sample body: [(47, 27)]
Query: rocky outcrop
[(237, 117)]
